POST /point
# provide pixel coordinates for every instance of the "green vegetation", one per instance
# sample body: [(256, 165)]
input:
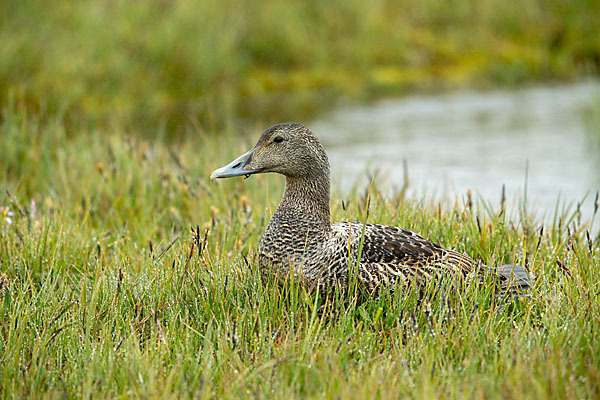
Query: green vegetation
[(213, 61), (105, 292)]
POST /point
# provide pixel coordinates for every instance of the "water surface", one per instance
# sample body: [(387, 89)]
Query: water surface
[(473, 140)]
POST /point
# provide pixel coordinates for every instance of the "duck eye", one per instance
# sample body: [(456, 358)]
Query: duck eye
[(278, 139)]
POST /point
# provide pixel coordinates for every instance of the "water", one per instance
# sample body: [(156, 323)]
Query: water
[(473, 140)]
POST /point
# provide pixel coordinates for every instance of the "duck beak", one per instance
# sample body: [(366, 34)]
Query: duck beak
[(236, 168)]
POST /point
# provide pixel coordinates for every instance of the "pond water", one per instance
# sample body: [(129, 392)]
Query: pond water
[(535, 138)]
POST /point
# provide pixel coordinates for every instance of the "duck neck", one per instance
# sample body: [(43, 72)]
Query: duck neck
[(305, 204)]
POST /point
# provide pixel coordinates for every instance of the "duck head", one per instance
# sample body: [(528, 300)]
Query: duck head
[(289, 149)]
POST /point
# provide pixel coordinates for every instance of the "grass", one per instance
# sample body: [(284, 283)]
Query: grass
[(106, 292), (166, 62)]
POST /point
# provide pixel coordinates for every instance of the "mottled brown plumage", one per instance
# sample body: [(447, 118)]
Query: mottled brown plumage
[(301, 239)]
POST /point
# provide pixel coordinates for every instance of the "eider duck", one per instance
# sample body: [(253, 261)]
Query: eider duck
[(301, 239)]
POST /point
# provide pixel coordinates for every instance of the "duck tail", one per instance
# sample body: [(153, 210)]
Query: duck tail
[(514, 279)]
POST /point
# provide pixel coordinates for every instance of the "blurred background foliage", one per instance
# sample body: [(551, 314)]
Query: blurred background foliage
[(167, 64)]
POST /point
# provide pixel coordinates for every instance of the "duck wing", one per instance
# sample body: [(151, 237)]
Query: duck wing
[(392, 254)]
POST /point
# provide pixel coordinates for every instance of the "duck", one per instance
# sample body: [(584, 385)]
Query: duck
[(300, 238)]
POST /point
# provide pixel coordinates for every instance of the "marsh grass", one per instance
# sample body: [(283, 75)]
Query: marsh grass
[(125, 272), (214, 60)]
